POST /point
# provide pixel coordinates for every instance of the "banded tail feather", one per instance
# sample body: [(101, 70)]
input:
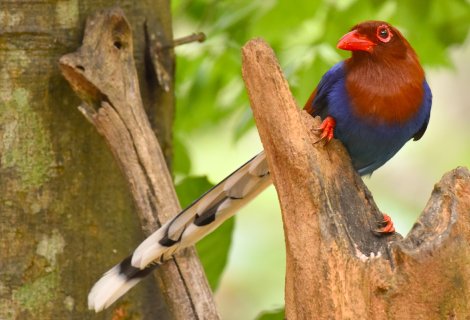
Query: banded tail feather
[(185, 229), (115, 283)]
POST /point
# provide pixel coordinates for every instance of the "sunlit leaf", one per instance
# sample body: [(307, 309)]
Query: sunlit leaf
[(214, 250), (272, 315), (244, 124), (191, 188), (181, 158)]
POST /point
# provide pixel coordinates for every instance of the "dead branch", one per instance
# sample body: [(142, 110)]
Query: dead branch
[(336, 267), (103, 74)]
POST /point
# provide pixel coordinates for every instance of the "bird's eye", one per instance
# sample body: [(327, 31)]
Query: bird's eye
[(384, 34)]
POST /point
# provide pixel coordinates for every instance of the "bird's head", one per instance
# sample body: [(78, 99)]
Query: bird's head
[(374, 38)]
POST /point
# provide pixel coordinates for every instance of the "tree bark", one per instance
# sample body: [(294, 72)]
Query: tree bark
[(66, 213), (337, 268)]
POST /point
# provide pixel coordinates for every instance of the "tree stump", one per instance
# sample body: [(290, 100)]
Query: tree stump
[(337, 268)]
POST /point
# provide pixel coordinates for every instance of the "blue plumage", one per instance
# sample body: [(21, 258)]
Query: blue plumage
[(375, 101), (370, 145)]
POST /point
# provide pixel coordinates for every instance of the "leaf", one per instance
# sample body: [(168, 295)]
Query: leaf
[(272, 315), (278, 21), (213, 249), (244, 124), (181, 159), (191, 188)]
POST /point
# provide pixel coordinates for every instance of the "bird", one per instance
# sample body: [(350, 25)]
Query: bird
[(373, 102)]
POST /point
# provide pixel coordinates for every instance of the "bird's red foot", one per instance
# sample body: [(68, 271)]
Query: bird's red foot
[(327, 129), (386, 226)]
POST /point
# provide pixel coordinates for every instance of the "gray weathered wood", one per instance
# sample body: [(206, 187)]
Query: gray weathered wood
[(103, 73)]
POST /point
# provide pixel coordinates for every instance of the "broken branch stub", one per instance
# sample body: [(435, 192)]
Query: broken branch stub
[(102, 72), (336, 267)]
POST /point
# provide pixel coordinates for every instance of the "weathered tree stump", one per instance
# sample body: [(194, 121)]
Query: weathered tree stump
[(336, 267), (102, 72)]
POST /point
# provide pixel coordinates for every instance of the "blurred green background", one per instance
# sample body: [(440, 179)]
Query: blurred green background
[(215, 133)]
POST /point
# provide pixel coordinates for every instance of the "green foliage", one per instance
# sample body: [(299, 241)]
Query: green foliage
[(272, 315), (213, 249), (182, 162), (209, 85), (304, 33)]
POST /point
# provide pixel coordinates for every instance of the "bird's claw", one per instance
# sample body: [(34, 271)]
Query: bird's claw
[(327, 130), (386, 226)]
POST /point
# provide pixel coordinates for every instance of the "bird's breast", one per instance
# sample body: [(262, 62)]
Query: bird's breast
[(385, 95), (374, 133)]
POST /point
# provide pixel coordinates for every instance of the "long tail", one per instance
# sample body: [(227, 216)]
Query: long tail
[(185, 229)]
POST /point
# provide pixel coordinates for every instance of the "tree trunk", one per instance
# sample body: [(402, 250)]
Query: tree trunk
[(336, 267), (66, 211)]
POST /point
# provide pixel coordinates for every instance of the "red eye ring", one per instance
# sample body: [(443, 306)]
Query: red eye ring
[(384, 34)]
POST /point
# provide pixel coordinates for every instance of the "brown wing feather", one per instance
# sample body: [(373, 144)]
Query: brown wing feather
[(309, 104)]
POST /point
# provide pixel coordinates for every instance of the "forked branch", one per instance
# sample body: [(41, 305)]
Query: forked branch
[(336, 267)]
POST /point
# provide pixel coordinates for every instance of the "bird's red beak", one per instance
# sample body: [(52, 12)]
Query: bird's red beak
[(354, 41)]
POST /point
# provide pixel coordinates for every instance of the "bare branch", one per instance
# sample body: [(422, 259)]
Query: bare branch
[(103, 73)]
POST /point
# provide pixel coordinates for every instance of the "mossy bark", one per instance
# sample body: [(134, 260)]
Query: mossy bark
[(66, 212)]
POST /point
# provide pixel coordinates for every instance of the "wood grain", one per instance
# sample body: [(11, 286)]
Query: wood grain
[(103, 73), (337, 268)]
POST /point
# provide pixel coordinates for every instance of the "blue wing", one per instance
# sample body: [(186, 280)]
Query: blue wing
[(320, 103), (427, 102)]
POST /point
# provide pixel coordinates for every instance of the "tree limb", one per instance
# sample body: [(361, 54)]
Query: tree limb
[(336, 267), (102, 72)]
